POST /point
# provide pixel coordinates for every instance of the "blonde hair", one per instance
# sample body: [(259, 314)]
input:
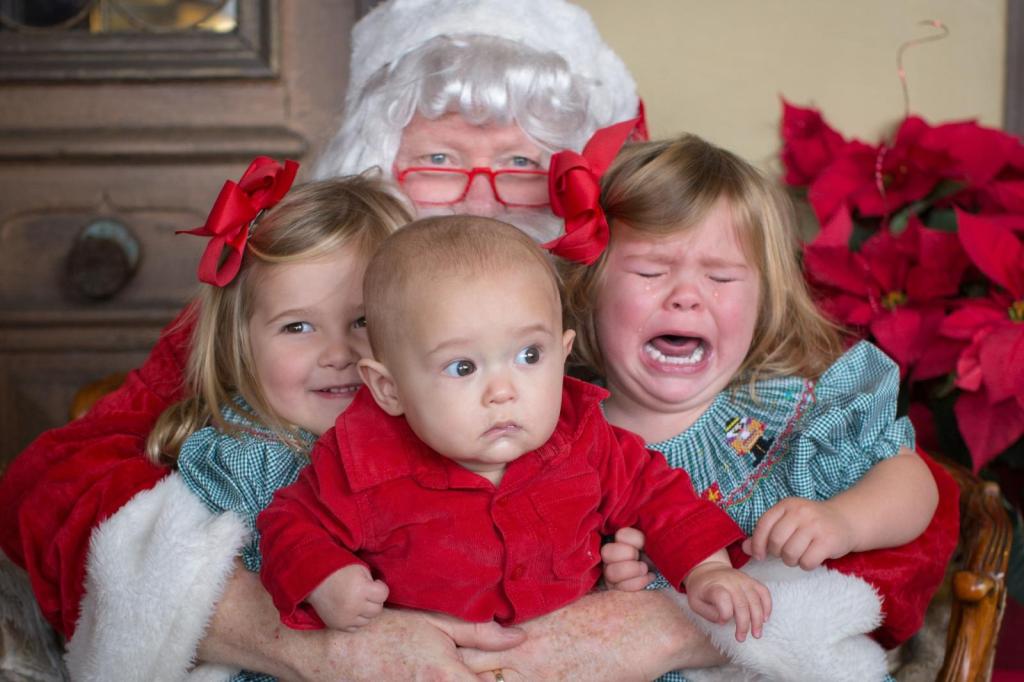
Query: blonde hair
[(437, 248), (660, 188), (312, 221)]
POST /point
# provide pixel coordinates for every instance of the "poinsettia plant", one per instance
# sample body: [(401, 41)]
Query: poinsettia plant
[(920, 250)]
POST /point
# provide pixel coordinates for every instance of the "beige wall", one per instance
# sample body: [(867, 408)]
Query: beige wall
[(717, 68)]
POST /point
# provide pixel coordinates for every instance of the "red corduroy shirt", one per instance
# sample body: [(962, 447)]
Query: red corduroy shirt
[(446, 539)]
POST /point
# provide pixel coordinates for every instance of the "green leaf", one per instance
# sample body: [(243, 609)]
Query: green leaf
[(945, 386), (860, 234), (974, 288), (942, 219), (899, 220), (945, 188)]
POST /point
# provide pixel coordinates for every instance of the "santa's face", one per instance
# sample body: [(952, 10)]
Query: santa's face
[(448, 165)]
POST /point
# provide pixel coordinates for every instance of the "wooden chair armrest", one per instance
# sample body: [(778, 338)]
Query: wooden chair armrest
[(979, 584)]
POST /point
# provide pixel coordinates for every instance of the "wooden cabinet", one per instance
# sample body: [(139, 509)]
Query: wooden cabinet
[(82, 151)]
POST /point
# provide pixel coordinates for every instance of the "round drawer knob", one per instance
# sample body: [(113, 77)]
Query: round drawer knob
[(102, 259)]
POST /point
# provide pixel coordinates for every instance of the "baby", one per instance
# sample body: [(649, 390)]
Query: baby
[(472, 477)]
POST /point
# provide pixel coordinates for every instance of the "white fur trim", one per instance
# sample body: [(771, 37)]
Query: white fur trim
[(394, 28), (156, 569), (817, 630)]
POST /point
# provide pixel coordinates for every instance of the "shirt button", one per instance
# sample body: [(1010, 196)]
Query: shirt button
[(518, 572)]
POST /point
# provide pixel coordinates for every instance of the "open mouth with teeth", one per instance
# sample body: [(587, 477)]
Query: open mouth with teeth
[(339, 391), (671, 349)]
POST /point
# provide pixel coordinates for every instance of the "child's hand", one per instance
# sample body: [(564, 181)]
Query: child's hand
[(348, 598), (623, 569), (801, 532), (719, 592)]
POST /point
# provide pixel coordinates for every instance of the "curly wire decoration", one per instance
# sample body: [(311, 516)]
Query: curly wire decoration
[(902, 73), (880, 183)]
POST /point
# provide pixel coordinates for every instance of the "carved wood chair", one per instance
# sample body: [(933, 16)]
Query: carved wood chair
[(979, 579), (974, 599)]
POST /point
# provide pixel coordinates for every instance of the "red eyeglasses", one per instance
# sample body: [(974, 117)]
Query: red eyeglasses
[(445, 186)]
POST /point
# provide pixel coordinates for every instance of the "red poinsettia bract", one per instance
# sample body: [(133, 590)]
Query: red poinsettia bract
[(990, 371), (940, 290), (878, 180), (809, 144), (897, 287), (989, 164)]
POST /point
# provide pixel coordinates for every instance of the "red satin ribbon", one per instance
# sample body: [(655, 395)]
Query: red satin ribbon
[(574, 182), (262, 185)]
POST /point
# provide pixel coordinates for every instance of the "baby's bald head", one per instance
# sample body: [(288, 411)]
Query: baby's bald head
[(412, 261)]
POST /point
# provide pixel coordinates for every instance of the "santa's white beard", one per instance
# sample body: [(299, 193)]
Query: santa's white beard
[(541, 226)]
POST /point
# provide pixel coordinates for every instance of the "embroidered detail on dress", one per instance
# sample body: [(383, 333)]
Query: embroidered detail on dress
[(257, 433), (244, 422), (713, 493), (745, 490), (746, 436)]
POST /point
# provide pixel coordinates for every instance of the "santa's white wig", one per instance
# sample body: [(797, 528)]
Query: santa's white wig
[(538, 63)]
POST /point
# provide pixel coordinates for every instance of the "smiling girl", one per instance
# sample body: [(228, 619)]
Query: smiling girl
[(278, 331)]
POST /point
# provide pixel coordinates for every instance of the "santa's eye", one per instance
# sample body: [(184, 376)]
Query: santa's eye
[(523, 162)]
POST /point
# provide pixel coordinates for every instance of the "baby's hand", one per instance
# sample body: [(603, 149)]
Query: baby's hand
[(801, 532), (623, 569), (719, 592), (348, 598)]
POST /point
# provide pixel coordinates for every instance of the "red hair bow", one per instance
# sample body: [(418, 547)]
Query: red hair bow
[(574, 182), (264, 183)]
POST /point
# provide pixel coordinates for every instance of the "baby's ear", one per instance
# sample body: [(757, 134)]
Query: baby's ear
[(378, 379), (568, 336)]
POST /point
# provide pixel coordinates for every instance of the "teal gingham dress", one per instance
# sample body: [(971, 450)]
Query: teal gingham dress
[(240, 472), (799, 439)]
